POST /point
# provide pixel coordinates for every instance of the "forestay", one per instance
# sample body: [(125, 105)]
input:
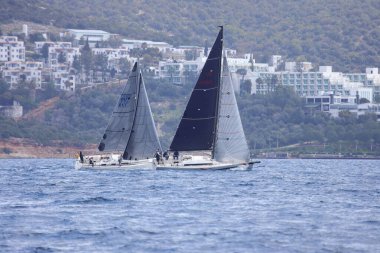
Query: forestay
[(231, 144)]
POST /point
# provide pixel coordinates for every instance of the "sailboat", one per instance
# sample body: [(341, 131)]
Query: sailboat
[(130, 139), (210, 135)]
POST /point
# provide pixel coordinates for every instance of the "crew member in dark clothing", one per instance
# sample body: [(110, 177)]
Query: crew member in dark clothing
[(81, 156), (157, 156), (175, 155), (166, 155), (91, 162)]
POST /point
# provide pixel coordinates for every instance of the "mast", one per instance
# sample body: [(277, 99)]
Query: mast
[(125, 154), (217, 98)]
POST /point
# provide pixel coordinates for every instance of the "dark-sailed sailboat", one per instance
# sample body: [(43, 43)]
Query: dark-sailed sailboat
[(210, 134), (130, 139)]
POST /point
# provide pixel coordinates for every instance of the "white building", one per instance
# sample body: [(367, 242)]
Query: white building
[(11, 49), (113, 56), (178, 71), (334, 105), (68, 54), (371, 78), (22, 73), (179, 53), (93, 36), (131, 44), (57, 44), (13, 111), (62, 77), (298, 66)]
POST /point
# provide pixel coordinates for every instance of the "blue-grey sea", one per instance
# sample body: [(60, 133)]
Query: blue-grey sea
[(280, 206)]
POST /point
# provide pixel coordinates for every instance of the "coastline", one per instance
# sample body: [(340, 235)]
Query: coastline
[(16, 148)]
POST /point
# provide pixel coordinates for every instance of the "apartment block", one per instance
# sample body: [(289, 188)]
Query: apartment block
[(23, 73), (11, 49)]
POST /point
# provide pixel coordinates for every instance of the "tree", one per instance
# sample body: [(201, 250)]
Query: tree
[(377, 98), (246, 88), (241, 72), (61, 57), (76, 64), (4, 86), (114, 42), (190, 55), (363, 101), (87, 59), (101, 64), (206, 48), (45, 51), (124, 66), (36, 37)]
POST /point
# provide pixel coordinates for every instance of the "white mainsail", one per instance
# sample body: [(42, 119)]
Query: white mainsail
[(231, 144), (144, 141)]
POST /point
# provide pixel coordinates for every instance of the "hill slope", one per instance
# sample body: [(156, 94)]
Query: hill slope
[(342, 33)]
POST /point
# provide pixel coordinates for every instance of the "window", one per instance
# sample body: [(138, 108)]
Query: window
[(325, 100)]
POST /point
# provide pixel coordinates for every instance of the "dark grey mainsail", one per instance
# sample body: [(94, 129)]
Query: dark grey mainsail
[(211, 120), (231, 144), (196, 130), (143, 142), (130, 119)]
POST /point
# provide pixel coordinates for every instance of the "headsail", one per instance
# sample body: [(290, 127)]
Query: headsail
[(144, 140), (231, 144), (197, 127), (120, 125)]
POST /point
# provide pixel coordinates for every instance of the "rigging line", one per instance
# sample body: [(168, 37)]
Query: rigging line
[(199, 118), (203, 89), (122, 112), (215, 58), (114, 131)]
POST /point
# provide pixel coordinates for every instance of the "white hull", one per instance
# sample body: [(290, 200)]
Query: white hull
[(202, 163), (111, 162)]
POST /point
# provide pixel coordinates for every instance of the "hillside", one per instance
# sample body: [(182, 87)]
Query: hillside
[(275, 121), (342, 33)]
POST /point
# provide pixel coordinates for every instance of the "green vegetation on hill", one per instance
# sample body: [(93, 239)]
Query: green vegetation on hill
[(277, 119), (342, 33), (280, 119)]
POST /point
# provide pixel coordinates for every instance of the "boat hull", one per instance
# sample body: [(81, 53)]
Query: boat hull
[(146, 164), (203, 164)]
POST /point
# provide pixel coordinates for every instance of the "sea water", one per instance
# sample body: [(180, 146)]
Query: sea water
[(279, 206)]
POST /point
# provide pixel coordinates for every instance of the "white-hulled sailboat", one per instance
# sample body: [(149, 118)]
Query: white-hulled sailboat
[(130, 139), (210, 135)]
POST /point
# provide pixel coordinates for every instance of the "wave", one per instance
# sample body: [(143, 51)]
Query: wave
[(95, 200)]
